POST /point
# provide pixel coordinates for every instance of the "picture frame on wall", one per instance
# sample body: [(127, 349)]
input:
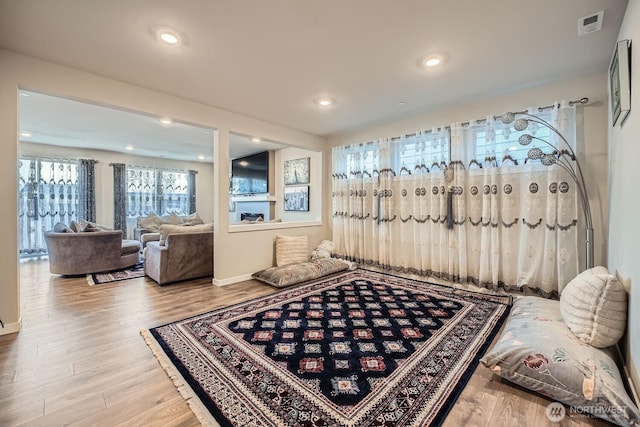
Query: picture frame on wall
[(296, 198), (620, 83), (296, 171)]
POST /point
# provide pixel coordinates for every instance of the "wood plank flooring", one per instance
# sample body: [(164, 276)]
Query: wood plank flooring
[(79, 359)]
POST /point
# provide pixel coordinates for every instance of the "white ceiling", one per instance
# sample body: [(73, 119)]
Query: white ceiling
[(270, 59), (69, 123)]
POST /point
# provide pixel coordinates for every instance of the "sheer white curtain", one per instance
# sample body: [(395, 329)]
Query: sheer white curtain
[(522, 215), (47, 193), (482, 214)]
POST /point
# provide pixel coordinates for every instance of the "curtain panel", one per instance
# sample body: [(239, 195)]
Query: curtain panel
[(87, 189), (120, 197), (191, 185), (486, 215)]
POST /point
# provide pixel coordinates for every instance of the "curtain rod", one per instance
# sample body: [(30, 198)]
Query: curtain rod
[(49, 158), (583, 100), (156, 168)]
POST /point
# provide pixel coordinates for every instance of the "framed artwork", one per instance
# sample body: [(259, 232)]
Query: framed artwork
[(296, 171), (296, 198), (620, 83)]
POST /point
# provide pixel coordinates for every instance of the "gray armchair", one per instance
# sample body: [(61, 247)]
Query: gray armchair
[(183, 256), (90, 252)]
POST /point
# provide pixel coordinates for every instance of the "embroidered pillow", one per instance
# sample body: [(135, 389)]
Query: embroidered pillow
[(291, 250), (537, 351), (292, 274), (594, 307)]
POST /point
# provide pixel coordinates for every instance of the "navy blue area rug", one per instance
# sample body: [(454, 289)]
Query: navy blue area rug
[(358, 349)]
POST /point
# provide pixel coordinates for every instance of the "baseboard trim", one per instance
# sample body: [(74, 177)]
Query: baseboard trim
[(634, 380), (11, 328), (231, 280)]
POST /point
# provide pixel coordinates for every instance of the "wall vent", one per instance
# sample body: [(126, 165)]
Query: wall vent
[(591, 23)]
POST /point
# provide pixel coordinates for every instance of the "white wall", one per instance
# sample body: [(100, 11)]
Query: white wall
[(230, 254), (594, 153), (624, 203), (104, 175)]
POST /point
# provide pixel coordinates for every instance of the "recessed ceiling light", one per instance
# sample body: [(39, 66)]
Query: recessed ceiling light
[(24, 94), (400, 103), (255, 139), (200, 157), (166, 121), (325, 101), (129, 147), (432, 61), (169, 37), (25, 134)]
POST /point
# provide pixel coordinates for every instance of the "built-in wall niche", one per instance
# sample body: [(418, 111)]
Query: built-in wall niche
[(259, 207)]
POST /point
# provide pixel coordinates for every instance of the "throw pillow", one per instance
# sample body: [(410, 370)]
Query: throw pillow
[(291, 274), (594, 307), (62, 228), (193, 219), (75, 226), (166, 229), (92, 226), (537, 351), (324, 250), (151, 222), (291, 249), (174, 219)]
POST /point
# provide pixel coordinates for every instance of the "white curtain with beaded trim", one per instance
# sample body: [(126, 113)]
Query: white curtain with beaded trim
[(483, 215)]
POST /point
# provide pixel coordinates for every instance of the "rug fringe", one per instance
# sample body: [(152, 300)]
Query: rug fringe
[(199, 410)]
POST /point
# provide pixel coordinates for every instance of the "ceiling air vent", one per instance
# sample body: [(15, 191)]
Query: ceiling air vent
[(591, 23)]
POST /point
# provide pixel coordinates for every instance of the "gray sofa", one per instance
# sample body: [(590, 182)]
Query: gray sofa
[(90, 252), (183, 256), (148, 227)]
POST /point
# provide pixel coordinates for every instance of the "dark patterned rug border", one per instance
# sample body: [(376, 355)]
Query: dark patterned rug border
[(137, 270), (195, 387), (445, 408)]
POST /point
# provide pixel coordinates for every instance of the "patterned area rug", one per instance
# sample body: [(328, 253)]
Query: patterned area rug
[(113, 276), (359, 349)]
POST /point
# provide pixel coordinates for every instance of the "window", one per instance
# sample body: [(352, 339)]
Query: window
[(500, 143), (416, 152), (47, 194), (412, 154), (156, 191)]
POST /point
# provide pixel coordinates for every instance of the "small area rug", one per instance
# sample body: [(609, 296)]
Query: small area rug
[(358, 349), (113, 276)]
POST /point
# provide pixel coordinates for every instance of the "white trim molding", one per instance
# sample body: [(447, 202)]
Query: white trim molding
[(231, 280), (10, 328)]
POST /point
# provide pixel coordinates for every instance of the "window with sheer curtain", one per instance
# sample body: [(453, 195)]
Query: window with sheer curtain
[(462, 205), (157, 191), (47, 193)]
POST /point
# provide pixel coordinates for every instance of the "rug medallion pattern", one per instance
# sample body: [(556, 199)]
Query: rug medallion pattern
[(359, 349)]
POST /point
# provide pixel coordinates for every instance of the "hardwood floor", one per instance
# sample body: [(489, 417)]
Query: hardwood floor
[(79, 359)]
